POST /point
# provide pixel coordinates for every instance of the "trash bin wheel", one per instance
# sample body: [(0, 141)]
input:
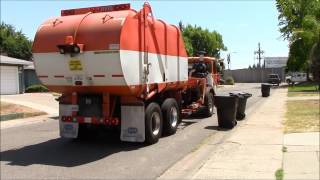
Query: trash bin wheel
[(241, 116)]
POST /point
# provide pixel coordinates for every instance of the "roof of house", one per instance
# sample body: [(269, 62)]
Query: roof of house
[(31, 67), (10, 60)]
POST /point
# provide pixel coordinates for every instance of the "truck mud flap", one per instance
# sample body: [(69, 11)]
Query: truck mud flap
[(132, 123), (68, 129)]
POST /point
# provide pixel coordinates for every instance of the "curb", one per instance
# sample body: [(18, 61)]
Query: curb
[(11, 116)]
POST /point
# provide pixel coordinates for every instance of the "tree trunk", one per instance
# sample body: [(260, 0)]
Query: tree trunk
[(308, 74)]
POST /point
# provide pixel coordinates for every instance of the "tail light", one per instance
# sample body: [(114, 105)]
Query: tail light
[(66, 118)]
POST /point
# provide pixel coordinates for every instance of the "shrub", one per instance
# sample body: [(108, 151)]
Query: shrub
[(36, 88), (229, 81)]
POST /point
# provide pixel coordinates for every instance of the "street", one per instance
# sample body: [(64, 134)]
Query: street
[(37, 152)]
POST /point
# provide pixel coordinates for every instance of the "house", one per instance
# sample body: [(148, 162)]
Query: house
[(12, 75), (30, 76)]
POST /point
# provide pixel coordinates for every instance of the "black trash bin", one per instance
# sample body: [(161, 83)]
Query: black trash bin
[(242, 102), (265, 90), (226, 108)]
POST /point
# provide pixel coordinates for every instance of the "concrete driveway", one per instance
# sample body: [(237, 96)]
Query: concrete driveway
[(41, 101)]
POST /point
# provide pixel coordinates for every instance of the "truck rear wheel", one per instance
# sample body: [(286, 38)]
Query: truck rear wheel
[(170, 112), (153, 122), (209, 105), (288, 81)]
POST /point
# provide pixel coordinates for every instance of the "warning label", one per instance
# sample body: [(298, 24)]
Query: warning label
[(75, 65)]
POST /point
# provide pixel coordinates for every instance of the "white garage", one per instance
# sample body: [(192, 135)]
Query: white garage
[(11, 80)]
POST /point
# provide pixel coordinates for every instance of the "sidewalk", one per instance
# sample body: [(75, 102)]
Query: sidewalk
[(254, 150), (41, 101), (302, 98), (301, 159), (25, 121)]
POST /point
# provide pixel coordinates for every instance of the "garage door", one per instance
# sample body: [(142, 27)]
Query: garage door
[(9, 80)]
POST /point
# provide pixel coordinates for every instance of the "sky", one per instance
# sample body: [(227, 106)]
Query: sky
[(242, 24)]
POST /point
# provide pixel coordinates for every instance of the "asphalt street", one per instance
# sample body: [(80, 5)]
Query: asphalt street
[(36, 151)]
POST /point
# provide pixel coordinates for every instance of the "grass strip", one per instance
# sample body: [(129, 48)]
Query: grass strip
[(302, 116)]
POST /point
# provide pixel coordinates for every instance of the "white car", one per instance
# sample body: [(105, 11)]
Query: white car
[(296, 77)]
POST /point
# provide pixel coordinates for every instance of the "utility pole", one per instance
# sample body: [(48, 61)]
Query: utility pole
[(259, 52), (229, 59)]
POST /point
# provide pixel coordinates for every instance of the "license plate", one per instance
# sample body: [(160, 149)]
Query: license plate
[(69, 129)]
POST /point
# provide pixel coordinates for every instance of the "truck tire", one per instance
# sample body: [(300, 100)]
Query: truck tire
[(153, 123), (209, 104), (171, 115), (288, 81)]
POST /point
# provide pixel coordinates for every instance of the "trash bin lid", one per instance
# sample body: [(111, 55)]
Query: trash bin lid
[(237, 92), (222, 96), (266, 84), (240, 93)]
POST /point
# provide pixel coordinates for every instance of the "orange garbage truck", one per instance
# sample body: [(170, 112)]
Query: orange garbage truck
[(121, 68)]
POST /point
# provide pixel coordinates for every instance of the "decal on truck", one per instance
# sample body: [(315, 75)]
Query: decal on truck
[(75, 65)]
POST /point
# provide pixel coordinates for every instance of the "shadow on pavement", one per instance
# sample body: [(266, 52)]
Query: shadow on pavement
[(217, 128), (199, 115), (185, 123), (54, 117), (67, 152)]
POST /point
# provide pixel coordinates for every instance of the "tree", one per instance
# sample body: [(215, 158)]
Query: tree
[(14, 43), (315, 62), (299, 22), (198, 39)]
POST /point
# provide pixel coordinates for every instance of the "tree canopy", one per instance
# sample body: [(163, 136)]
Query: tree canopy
[(198, 39), (299, 22), (14, 43)]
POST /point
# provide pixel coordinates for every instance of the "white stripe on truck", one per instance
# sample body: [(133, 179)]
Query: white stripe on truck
[(118, 68)]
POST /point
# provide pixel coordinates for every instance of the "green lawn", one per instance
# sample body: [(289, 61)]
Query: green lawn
[(304, 88)]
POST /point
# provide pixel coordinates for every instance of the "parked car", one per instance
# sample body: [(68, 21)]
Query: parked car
[(296, 77), (274, 79)]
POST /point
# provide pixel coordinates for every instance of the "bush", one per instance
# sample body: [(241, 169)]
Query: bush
[(36, 88), (229, 81)]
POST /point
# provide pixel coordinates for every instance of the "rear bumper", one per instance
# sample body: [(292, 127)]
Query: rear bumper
[(273, 82), (92, 120)]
